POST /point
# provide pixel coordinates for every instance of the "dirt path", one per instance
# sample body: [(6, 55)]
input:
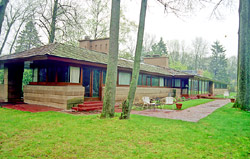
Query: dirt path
[(193, 114)]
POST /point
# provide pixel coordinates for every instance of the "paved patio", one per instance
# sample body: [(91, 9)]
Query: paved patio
[(193, 114), (29, 107)]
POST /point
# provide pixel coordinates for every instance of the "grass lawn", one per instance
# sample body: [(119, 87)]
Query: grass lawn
[(231, 95), (223, 134), (188, 104)]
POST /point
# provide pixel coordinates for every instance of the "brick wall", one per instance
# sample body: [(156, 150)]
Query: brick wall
[(122, 93), (55, 96)]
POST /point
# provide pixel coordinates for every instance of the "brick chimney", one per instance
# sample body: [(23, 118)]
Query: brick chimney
[(157, 60), (99, 45)]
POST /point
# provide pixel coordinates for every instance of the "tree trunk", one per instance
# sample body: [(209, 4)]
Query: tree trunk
[(53, 23), (127, 105), (108, 109), (5, 38), (3, 6), (243, 94), (15, 37)]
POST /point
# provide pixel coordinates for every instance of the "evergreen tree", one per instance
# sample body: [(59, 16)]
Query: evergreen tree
[(218, 64), (3, 5), (159, 48), (28, 38)]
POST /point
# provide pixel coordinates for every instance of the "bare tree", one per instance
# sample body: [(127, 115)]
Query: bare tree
[(199, 51), (54, 16), (16, 15), (148, 41), (97, 22), (174, 49)]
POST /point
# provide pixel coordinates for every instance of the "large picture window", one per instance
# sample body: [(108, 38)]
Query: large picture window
[(168, 82), (176, 82), (139, 80), (161, 82), (104, 77), (74, 74), (53, 73), (63, 74), (155, 81), (42, 75), (35, 75), (124, 78)]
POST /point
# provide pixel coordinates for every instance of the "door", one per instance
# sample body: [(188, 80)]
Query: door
[(92, 83)]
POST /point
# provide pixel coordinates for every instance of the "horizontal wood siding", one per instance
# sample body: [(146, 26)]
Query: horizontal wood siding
[(56, 96)]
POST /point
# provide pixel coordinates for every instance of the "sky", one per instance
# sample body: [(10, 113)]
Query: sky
[(187, 28)]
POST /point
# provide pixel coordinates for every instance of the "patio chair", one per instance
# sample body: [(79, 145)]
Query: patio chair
[(146, 102), (169, 101)]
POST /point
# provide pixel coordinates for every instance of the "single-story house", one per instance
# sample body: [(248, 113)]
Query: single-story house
[(62, 73)]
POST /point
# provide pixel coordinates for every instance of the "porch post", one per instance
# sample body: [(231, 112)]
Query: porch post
[(5, 84)]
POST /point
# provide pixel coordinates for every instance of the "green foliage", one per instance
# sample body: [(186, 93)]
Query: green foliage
[(207, 74), (159, 48), (126, 55), (28, 38), (218, 64), (27, 76), (178, 66), (174, 93), (223, 134)]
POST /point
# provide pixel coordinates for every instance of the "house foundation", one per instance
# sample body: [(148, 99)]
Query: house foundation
[(57, 96)]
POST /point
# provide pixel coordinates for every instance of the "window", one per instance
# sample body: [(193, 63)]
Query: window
[(51, 74), (124, 78), (35, 75), (155, 81), (63, 74), (161, 82), (43, 75), (74, 74), (1, 76), (104, 77), (139, 80), (200, 87), (176, 82), (144, 80), (148, 80), (168, 82)]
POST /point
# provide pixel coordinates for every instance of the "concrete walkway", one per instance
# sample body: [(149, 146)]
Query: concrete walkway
[(193, 114)]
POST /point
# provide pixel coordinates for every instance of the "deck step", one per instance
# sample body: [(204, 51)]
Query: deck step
[(90, 106), (86, 108)]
